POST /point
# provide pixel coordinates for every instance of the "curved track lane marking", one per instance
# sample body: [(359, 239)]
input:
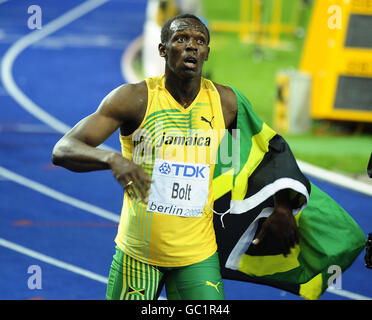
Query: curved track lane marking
[(26, 41)]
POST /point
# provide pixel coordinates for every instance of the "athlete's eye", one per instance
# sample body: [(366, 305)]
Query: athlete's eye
[(201, 41), (181, 39)]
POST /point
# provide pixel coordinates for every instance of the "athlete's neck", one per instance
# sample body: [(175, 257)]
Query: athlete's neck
[(184, 91)]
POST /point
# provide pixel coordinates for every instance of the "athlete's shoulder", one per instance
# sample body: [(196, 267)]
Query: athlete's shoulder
[(127, 99), (226, 92), (127, 104), (228, 103), (130, 94)]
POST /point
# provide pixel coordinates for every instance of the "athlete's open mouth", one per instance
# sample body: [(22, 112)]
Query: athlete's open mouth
[(190, 62)]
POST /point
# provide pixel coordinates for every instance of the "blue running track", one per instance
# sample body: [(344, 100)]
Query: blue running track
[(66, 222)]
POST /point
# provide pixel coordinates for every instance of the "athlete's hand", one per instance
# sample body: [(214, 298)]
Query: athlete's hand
[(281, 226), (127, 172)]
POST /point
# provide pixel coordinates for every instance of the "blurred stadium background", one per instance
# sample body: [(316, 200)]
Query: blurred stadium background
[(306, 66)]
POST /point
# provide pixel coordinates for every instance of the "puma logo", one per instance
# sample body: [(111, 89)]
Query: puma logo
[(206, 120), (208, 283)]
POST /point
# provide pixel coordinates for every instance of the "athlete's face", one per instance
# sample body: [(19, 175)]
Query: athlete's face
[(187, 48)]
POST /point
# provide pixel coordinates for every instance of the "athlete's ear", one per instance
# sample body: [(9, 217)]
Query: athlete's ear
[(162, 50)]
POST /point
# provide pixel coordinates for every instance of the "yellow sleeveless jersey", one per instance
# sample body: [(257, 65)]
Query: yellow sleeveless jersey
[(177, 147)]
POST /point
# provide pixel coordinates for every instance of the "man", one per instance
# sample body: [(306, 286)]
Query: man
[(167, 236)]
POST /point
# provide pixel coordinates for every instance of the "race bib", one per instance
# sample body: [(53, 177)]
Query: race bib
[(179, 188)]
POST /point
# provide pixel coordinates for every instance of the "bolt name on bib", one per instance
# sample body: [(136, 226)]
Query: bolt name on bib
[(179, 188), (181, 192)]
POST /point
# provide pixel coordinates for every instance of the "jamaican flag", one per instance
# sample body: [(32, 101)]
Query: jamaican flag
[(261, 165)]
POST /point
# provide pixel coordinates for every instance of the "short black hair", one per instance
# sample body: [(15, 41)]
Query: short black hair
[(166, 32)]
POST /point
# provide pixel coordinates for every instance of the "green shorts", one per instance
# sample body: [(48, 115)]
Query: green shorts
[(133, 280)]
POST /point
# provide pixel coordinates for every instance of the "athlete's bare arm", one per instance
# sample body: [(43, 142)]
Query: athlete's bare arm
[(228, 104), (281, 222), (123, 109)]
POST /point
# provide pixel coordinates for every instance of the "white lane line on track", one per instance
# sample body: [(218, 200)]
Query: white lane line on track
[(335, 178), (55, 262), (58, 195), (348, 294), (111, 216), (26, 41)]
